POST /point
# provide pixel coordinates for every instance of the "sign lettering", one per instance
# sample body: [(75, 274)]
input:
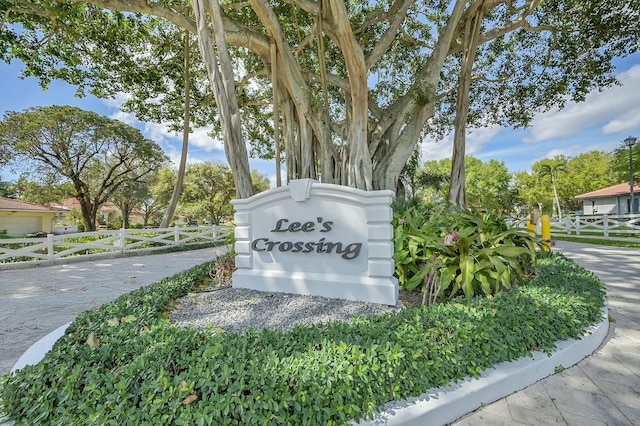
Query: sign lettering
[(346, 251)]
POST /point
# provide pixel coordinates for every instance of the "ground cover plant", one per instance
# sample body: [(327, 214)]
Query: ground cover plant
[(122, 362)]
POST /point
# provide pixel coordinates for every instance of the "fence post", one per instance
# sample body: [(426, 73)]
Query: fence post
[(176, 234), (605, 224), (123, 241), (50, 253)]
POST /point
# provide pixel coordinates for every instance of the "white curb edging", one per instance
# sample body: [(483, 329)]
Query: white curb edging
[(444, 405), (38, 350)]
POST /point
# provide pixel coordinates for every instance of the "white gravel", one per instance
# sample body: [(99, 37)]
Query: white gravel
[(236, 309)]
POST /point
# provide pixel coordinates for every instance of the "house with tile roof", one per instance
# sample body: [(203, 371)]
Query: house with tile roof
[(107, 213), (615, 199), (20, 218)]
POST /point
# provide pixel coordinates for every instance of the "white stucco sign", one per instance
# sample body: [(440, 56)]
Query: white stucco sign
[(319, 239)]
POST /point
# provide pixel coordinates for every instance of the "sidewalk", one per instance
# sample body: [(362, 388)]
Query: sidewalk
[(603, 389), (36, 301)]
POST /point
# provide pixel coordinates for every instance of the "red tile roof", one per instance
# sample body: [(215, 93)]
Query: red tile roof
[(73, 203), (15, 205), (612, 191)]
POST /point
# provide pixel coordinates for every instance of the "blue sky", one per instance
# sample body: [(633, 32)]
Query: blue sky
[(600, 123)]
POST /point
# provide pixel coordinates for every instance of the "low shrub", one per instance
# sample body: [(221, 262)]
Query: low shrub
[(467, 253), (122, 363)]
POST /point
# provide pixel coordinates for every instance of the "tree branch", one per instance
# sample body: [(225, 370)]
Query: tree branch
[(398, 12)]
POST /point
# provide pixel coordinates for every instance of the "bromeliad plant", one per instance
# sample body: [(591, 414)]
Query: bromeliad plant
[(473, 254)]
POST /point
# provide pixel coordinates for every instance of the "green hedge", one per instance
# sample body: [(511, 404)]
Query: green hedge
[(122, 363)]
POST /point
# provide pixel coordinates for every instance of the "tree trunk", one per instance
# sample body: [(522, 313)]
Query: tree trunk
[(457, 191), (126, 210), (276, 112), (359, 168), (556, 199), (221, 79), (177, 190)]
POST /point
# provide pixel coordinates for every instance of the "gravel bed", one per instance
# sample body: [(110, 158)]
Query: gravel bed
[(237, 309)]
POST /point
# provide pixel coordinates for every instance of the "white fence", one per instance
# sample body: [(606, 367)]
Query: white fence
[(52, 249), (605, 225)]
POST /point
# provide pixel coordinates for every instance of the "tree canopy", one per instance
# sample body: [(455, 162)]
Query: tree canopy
[(573, 176), (488, 183), (97, 155), (208, 191), (352, 87)]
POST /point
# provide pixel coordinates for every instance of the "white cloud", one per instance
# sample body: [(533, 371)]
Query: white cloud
[(283, 178), (436, 150), (477, 138), (158, 132), (475, 141), (201, 139), (616, 109)]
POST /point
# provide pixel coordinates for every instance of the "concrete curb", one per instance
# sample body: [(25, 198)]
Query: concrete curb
[(38, 350), (442, 405)]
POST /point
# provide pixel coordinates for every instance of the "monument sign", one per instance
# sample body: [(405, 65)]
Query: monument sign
[(318, 239)]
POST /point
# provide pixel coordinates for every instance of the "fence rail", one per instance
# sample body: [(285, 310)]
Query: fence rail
[(605, 225), (52, 249)]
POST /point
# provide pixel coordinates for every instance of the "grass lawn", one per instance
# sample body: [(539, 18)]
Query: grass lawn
[(599, 240), (122, 363)]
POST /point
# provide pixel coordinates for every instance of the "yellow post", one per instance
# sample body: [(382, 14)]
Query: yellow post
[(546, 232), (546, 227), (531, 226)]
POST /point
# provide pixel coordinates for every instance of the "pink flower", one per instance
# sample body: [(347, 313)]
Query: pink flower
[(402, 221), (451, 239)]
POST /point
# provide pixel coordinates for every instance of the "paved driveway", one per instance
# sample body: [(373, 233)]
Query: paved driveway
[(36, 301)]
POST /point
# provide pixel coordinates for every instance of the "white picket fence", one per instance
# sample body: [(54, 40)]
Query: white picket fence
[(52, 249), (602, 225)]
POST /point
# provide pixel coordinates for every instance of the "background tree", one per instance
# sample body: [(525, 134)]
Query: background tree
[(151, 211), (260, 181), (95, 154), (162, 185), (434, 178), (548, 172), (6, 189), (357, 85), (620, 163), (128, 197), (45, 191), (531, 195), (208, 191), (585, 173), (487, 183), (74, 217)]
